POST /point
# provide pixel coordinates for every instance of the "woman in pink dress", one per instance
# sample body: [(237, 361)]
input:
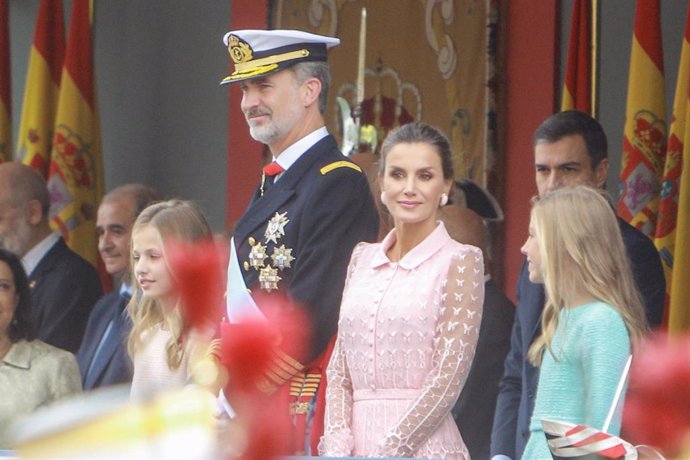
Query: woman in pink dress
[(409, 318)]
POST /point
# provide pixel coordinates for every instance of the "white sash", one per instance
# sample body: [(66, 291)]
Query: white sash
[(239, 305), (239, 302)]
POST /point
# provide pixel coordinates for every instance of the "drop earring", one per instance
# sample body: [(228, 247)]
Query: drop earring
[(444, 199), (383, 199)]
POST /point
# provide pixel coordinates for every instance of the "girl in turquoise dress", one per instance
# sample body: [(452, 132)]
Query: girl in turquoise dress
[(593, 314)]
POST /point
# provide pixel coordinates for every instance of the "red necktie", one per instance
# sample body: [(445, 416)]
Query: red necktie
[(273, 169)]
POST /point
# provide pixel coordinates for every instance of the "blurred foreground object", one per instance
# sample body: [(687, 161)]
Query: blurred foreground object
[(253, 351), (199, 268), (105, 424), (657, 408)]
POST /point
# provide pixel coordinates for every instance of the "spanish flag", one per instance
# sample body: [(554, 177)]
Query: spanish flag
[(5, 86), (42, 86), (673, 226), (577, 87), (644, 142), (678, 142), (76, 171)]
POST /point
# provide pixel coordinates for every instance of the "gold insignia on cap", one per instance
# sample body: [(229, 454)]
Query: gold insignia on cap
[(282, 257), (239, 50)]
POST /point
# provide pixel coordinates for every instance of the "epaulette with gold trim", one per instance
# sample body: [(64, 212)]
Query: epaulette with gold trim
[(339, 164)]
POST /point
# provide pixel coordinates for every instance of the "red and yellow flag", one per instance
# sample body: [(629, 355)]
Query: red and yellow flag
[(678, 143), (673, 224), (577, 87), (46, 57), (644, 142), (5, 86), (76, 170)]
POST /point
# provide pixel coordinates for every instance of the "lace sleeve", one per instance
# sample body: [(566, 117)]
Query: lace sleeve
[(337, 440), (455, 343)]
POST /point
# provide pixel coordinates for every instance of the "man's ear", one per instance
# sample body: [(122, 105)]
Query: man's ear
[(601, 171), (312, 89), (34, 212)]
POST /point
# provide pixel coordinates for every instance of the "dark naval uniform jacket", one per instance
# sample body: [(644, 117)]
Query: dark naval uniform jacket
[(518, 387), (103, 358), (64, 288), (298, 237)]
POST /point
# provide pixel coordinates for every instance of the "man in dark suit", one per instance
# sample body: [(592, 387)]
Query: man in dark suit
[(474, 410), (103, 358), (64, 286), (570, 149), (312, 206)]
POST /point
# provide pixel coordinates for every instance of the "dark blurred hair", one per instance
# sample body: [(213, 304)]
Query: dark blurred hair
[(20, 326), (570, 123), (423, 133)]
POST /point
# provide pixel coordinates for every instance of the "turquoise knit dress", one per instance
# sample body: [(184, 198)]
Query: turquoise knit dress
[(591, 345)]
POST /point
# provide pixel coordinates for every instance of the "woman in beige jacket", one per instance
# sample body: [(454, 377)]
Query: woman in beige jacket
[(32, 373)]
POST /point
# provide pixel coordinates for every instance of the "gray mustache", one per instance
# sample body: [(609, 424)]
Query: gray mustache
[(256, 112)]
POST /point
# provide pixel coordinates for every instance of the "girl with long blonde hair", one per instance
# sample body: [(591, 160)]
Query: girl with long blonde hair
[(593, 315), (160, 350)]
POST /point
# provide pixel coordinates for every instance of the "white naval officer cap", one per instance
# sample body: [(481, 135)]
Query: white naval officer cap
[(262, 52)]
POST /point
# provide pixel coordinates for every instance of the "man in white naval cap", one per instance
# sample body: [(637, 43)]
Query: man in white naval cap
[(313, 205)]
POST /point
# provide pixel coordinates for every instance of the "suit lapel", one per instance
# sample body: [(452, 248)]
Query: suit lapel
[(40, 272), (45, 265), (262, 208), (111, 343)]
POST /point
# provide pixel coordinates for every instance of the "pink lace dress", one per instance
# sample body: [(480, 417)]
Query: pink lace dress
[(406, 338)]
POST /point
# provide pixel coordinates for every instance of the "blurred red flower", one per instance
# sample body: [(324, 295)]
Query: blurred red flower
[(657, 406), (199, 274), (250, 351)]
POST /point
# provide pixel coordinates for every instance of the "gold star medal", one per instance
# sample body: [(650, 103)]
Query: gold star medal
[(257, 255), (276, 227), (268, 277), (282, 257)]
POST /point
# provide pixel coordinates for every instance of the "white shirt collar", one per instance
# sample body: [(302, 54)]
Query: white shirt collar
[(35, 254), (291, 154), (126, 289)]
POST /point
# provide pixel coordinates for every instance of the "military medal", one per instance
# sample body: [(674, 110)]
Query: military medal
[(257, 255), (268, 277), (276, 227), (282, 257)]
